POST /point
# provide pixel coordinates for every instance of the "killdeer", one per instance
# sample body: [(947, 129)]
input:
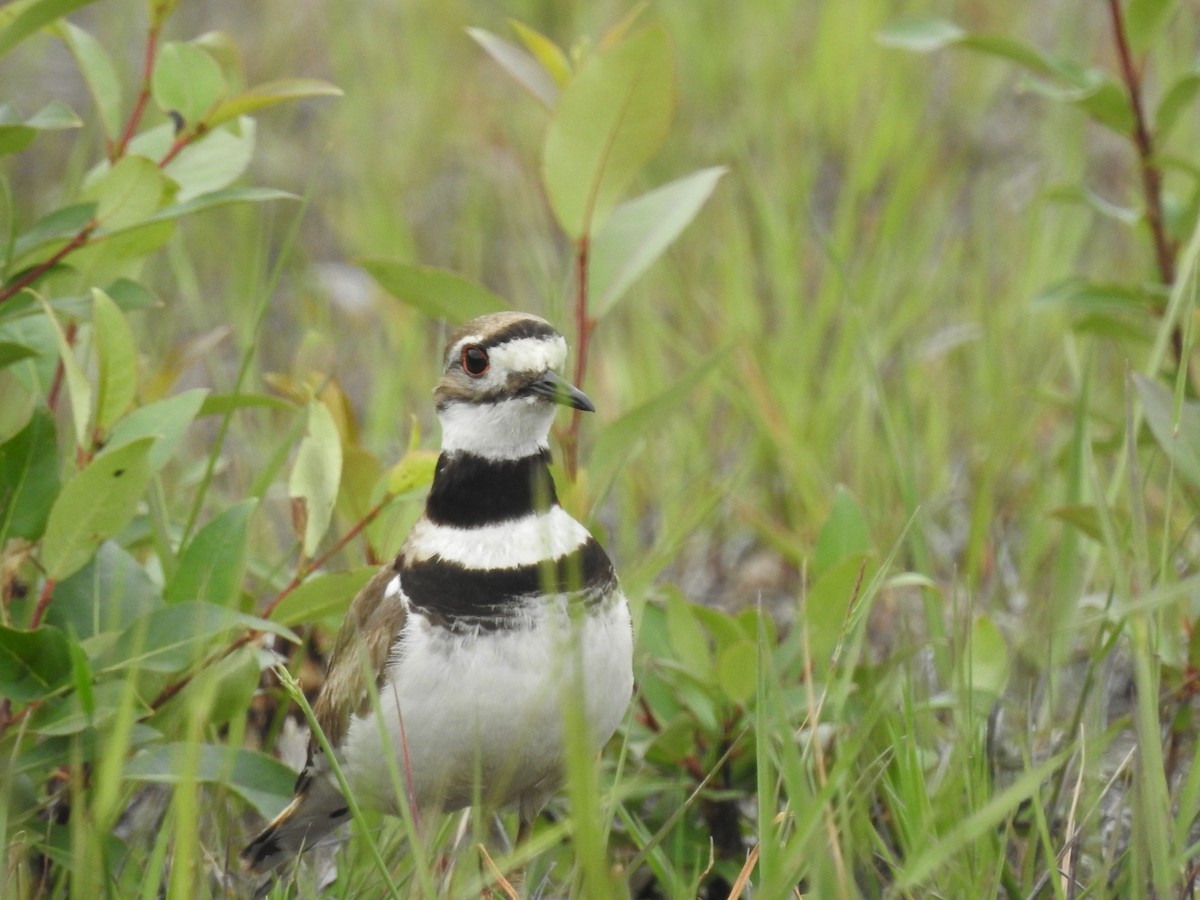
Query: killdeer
[(498, 606)]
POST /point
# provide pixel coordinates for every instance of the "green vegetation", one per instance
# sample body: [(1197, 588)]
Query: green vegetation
[(890, 323)]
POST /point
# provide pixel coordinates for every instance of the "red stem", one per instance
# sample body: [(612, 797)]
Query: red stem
[(139, 107), (43, 603), (1143, 140), (32, 275)]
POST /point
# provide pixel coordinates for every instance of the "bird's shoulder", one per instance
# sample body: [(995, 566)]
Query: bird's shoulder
[(360, 653)]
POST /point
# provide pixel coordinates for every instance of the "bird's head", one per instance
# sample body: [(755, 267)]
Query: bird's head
[(500, 383)]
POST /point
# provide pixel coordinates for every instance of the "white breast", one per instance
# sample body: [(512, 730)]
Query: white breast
[(491, 703)]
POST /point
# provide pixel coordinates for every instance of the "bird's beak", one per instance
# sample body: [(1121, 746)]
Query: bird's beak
[(557, 389)]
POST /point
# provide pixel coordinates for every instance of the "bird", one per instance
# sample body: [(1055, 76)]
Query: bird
[(498, 609)]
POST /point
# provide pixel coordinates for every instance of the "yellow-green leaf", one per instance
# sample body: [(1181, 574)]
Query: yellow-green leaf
[(611, 117), (545, 51), (316, 474), (187, 81), (79, 389), (117, 376), (269, 94), (414, 470), (96, 503), (435, 292)]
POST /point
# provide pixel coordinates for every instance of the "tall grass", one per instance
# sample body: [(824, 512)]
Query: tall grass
[(864, 284)]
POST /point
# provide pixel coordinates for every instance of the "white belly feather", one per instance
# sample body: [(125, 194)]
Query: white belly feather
[(486, 707)]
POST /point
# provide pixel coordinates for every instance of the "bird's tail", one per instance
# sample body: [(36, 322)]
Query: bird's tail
[(317, 809)]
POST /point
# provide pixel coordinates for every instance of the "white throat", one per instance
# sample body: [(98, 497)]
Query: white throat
[(507, 429)]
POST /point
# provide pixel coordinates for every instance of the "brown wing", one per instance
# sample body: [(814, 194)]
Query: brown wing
[(359, 655)]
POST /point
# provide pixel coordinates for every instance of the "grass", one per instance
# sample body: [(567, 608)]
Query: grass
[(863, 284)]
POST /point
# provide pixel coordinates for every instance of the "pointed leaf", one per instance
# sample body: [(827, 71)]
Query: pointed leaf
[(98, 72), (435, 292), (551, 56), (639, 231), (116, 383), (262, 781), (269, 94), (415, 469), (328, 594), (524, 69), (1144, 19), (828, 604), (28, 479), (33, 664), (213, 564), (94, 505), (166, 420), (611, 118), (1177, 100), (316, 474), (175, 637), (844, 533), (16, 135), (988, 662), (11, 353), (79, 389), (22, 18), (1177, 432)]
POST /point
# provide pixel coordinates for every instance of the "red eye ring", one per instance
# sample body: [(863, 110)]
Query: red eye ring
[(475, 360)]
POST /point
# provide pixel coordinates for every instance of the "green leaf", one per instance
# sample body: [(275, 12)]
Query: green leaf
[(688, 641), (1176, 101), (220, 404), (109, 592), (844, 533), (167, 420), (262, 781), (175, 637), (611, 117), (187, 81), (1177, 431), (11, 352), (52, 229), (79, 389), (206, 165), (117, 377), (28, 479), (127, 193), (269, 94), (219, 198), (16, 135), (1144, 19), (415, 469), (73, 714), (213, 564), (316, 474), (551, 56), (1084, 517), (328, 594), (639, 231), (737, 670), (921, 35), (828, 604), (435, 292), (524, 69), (95, 504), (33, 664), (19, 403), (1096, 93), (22, 18), (99, 74), (988, 661)]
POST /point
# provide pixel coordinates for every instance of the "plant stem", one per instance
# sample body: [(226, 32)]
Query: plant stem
[(583, 328), (1151, 173), (43, 603), (33, 274), (117, 150)]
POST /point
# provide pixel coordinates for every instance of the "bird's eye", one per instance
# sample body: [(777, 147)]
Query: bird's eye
[(474, 360)]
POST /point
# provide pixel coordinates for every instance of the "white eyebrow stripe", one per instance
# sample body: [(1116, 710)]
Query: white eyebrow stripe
[(527, 541)]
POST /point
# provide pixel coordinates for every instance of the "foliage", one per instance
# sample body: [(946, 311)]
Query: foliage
[(912, 558)]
